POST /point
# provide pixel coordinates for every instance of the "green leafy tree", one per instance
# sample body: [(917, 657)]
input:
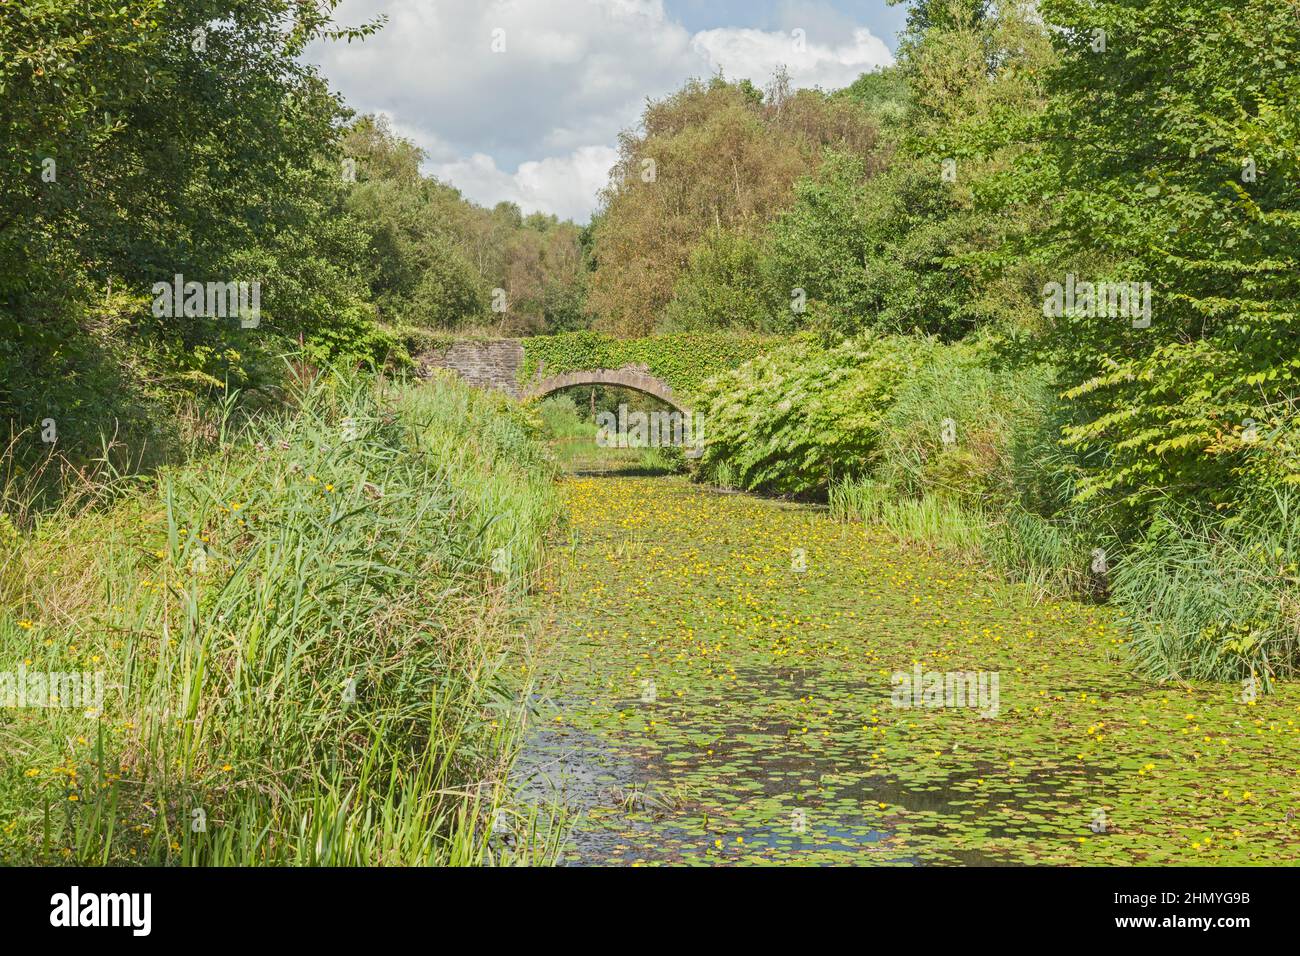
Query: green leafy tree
[(726, 285), (710, 157), (1175, 145), (142, 140)]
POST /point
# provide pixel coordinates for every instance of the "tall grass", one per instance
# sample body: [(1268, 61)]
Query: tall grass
[(311, 645), (1052, 557), (932, 521), (986, 410), (1218, 601)]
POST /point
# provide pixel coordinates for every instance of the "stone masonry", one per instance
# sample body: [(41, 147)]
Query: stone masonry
[(495, 363)]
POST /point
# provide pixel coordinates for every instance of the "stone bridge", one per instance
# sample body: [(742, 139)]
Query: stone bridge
[(496, 363)]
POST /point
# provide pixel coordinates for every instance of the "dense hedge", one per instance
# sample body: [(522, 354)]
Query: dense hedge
[(685, 361)]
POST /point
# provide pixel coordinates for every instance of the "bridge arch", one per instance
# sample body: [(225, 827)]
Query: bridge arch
[(638, 379)]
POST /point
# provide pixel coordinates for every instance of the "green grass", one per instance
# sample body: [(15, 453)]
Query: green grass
[(932, 521), (1218, 602), (1052, 557), (312, 644)]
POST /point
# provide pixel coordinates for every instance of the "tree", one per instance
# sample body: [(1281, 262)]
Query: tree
[(139, 141), (726, 285), (1173, 142), (709, 157)]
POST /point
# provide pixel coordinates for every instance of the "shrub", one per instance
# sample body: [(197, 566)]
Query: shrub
[(794, 419)]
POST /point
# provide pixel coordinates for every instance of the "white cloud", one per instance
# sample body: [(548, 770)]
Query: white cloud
[(550, 106), (755, 54), (563, 185)]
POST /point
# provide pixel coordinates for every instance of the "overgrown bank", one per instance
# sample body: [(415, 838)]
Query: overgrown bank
[(310, 644)]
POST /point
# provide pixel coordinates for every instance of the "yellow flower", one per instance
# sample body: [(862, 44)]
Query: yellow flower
[(24, 624)]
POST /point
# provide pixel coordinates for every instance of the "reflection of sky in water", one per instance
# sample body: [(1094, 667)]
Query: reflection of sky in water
[(592, 778)]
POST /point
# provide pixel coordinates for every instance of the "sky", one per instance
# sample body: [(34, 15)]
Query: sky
[(523, 100)]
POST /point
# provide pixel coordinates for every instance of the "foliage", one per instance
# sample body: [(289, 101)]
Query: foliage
[(366, 561), (434, 258), (794, 419), (884, 94), (902, 232), (125, 160), (713, 156), (356, 341), (560, 418), (725, 285), (821, 245), (682, 360), (1181, 209)]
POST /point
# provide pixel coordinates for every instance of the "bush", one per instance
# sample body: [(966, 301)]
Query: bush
[(798, 417)]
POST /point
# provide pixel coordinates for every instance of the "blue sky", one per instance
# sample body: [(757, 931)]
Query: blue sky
[(523, 100), (876, 15)]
